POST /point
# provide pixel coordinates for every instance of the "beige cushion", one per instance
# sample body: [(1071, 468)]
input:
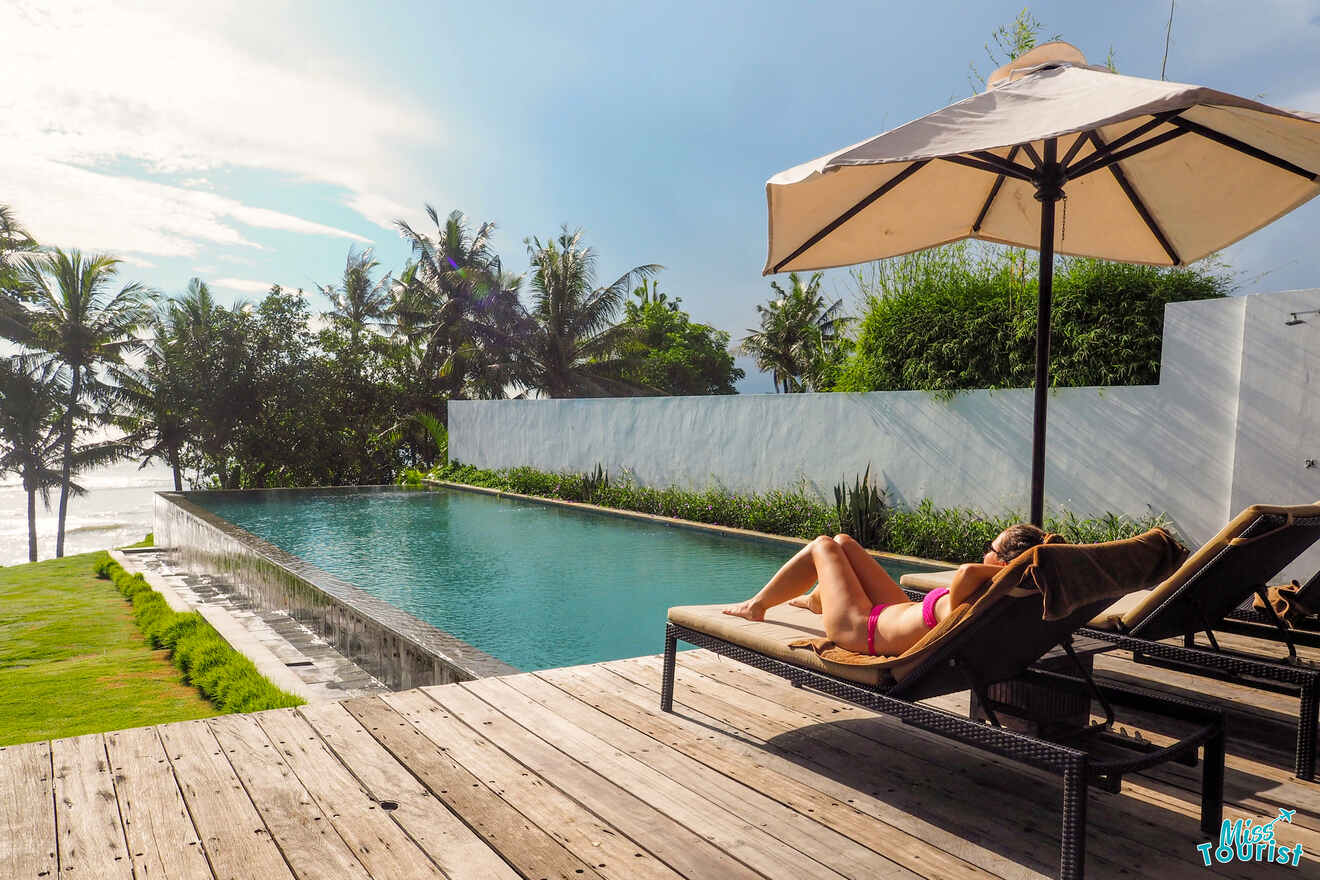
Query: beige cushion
[(783, 624), (1228, 535), (928, 580)]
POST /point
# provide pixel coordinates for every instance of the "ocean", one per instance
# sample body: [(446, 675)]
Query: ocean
[(115, 511)]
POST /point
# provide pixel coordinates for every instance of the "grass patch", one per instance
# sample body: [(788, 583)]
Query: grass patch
[(224, 676), (72, 660)]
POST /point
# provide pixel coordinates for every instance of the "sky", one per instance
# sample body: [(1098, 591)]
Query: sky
[(250, 143)]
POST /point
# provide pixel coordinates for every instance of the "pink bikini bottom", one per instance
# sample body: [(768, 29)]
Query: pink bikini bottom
[(927, 615)]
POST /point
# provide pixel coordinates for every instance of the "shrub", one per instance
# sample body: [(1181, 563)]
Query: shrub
[(962, 317), (951, 533), (225, 677)]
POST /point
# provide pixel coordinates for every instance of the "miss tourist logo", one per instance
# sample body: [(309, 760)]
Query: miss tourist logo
[(1244, 841)]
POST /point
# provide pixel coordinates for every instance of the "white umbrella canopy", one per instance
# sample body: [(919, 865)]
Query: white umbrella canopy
[(1195, 170), (1147, 171)]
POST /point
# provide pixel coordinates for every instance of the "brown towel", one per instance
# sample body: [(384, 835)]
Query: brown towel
[(1072, 576), (1287, 603)]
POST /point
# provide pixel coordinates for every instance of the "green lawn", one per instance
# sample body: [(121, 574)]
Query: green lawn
[(72, 660)]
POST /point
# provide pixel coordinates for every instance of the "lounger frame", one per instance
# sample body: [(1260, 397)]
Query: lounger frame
[(1078, 770), (1182, 614), (1238, 668)]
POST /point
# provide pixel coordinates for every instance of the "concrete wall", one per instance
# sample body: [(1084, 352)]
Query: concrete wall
[(1231, 422)]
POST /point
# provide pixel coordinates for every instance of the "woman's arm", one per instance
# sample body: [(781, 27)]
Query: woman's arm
[(970, 578)]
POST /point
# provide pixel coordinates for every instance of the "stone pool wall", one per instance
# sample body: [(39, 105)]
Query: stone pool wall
[(392, 645), (1233, 421)]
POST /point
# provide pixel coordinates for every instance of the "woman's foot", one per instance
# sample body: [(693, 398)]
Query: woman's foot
[(811, 602), (748, 610)]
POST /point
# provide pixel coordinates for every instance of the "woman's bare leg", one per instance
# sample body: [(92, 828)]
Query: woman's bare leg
[(845, 604), (880, 588), (794, 578)]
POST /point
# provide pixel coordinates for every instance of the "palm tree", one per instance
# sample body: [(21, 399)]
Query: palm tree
[(154, 402), (359, 302), (460, 306), (798, 334), (82, 324), (15, 241), (571, 349), (30, 436)]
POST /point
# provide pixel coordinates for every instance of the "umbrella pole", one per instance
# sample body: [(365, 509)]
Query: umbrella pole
[(1049, 189)]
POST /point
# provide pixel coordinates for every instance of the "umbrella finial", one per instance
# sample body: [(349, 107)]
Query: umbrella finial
[(1057, 52)]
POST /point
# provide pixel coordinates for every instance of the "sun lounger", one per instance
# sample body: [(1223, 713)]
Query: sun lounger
[(1201, 596), (972, 650)]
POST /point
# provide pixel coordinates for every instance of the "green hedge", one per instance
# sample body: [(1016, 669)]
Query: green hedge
[(224, 676), (955, 534)]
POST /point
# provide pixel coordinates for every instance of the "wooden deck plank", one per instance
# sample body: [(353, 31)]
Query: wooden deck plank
[(525, 846), (307, 839), (27, 812), (1168, 788), (598, 688), (162, 841), (1157, 841), (687, 852), (237, 843), (443, 836), (1157, 836), (734, 833), (1251, 788), (732, 791), (370, 833), (91, 836), (588, 836), (879, 803)]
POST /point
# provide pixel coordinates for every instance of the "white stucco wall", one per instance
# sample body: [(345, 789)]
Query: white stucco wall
[(1231, 422)]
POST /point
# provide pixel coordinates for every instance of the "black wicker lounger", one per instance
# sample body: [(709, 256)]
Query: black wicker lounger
[(1204, 594), (1207, 593), (975, 655)]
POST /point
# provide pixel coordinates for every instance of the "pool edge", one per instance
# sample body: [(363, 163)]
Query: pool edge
[(725, 531), (394, 646)]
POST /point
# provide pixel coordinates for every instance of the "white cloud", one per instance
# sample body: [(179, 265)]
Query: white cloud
[(244, 285), (173, 90)]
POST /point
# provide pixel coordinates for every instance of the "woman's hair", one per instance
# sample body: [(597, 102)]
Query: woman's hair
[(1018, 539)]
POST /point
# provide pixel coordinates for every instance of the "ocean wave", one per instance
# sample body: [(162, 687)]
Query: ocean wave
[(97, 527)]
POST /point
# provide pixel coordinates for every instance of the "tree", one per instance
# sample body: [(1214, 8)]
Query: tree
[(461, 306), (154, 402), (15, 242), (83, 325), (800, 337), (572, 341), (31, 440), (664, 351), (360, 302)]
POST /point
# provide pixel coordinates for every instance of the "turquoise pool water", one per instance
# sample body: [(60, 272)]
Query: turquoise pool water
[(534, 585)]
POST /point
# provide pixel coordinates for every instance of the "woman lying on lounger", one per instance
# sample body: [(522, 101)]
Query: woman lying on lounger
[(863, 609)]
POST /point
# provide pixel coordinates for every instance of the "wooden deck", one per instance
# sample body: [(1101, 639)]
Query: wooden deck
[(574, 773)]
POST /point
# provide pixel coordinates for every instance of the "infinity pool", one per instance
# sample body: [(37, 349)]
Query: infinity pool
[(534, 585)]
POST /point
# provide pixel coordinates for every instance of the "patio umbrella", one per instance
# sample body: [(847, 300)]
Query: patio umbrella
[(1148, 171)]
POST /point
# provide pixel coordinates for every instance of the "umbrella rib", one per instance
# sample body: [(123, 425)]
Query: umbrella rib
[(852, 212), (1119, 142), (1032, 155), (1000, 164), (1073, 150), (1136, 201), (1015, 171), (1243, 147), (994, 191), (1095, 163)]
